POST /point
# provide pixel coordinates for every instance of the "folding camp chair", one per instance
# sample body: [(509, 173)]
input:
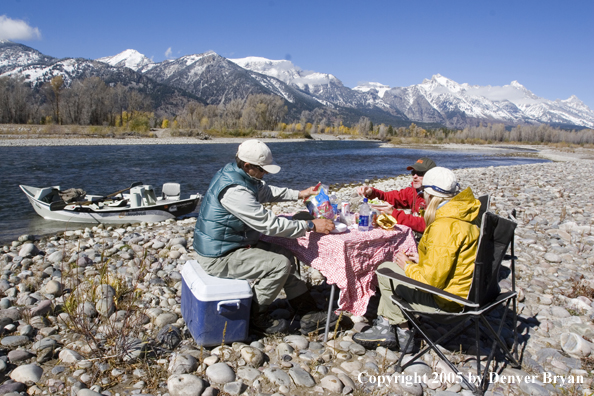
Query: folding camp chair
[(496, 236), (485, 201)]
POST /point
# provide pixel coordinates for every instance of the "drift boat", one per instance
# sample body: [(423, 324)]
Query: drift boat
[(139, 205)]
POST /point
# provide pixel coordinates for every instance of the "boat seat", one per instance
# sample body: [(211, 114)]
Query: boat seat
[(171, 191), (118, 204), (48, 194)]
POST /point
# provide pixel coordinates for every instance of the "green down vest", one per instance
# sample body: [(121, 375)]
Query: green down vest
[(218, 231)]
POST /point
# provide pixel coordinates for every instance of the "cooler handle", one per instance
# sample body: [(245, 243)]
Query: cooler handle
[(237, 303)]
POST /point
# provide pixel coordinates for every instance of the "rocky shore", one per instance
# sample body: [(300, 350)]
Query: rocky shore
[(97, 311), (166, 140)]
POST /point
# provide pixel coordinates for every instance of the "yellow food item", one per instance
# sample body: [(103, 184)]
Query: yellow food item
[(386, 221)]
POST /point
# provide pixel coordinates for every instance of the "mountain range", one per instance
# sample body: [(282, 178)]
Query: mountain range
[(213, 79)]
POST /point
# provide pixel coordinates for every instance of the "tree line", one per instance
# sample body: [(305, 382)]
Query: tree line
[(83, 102), (93, 102)]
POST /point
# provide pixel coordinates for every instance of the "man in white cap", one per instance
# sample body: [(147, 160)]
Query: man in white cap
[(230, 222)]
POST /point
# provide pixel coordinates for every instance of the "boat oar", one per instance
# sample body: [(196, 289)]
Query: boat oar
[(61, 204)]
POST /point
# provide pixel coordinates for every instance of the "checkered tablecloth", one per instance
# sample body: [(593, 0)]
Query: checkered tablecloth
[(349, 260)]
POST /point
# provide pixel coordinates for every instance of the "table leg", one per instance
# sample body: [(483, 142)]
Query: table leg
[(329, 313)]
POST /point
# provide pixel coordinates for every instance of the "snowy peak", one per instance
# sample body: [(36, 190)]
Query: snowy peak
[(442, 100), (191, 59), (215, 80), (441, 85), (287, 72), (13, 55), (370, 86), (284, 70), (129, 58)]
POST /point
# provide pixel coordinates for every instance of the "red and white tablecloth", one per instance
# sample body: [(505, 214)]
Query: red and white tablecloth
[(349, 260)]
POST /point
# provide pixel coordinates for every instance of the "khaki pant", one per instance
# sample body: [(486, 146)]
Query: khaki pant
[(271, 265), (418, 300)]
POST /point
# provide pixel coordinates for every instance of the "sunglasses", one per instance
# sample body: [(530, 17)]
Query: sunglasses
[(441, 190), (257, 167), (417, 173)]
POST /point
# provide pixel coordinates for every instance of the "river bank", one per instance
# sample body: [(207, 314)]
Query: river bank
[(57, 332), (542, 151)]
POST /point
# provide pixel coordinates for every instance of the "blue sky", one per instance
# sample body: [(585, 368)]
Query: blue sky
[(547, 46)]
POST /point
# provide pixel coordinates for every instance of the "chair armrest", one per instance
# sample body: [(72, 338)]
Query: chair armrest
[(424, 287)]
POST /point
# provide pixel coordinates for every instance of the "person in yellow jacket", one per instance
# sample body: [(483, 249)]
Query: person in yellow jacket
[(445, 260)]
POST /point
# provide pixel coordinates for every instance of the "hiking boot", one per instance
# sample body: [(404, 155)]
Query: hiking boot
[(263, 323), (379, 334), (404, 335), (315, 321)]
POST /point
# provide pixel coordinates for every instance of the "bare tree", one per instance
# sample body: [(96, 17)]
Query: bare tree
[(233, 113), (363, 126), (269, 111), (57, 83), (383, 132)]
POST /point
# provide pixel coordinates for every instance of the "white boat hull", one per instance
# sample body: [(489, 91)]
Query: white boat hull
[(73, 213)]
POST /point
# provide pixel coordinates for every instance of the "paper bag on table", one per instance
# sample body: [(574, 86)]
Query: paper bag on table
[(319, 205)]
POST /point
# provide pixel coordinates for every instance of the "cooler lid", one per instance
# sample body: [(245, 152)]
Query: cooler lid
[(210, 288)]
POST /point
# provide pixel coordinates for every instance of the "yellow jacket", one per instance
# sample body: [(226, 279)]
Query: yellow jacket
[(448, 248)]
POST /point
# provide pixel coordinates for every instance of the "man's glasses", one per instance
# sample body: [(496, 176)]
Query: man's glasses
[(417, 173), (257, 167)]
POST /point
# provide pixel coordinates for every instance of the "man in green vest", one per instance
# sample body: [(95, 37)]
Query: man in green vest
[(228, 228)]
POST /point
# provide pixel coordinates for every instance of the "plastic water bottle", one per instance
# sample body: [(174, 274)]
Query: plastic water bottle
[(364, 216)]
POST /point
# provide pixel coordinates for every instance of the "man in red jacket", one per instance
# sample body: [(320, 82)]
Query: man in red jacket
[(408, 198)]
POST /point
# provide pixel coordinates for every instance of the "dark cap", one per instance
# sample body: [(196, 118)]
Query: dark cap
[(422, 165)]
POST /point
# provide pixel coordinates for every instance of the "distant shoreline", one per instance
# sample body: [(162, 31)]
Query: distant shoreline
[(130, 141), (542, 151)]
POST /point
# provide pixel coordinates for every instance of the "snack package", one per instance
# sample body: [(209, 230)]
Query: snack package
[(386, 221), (319, 205)]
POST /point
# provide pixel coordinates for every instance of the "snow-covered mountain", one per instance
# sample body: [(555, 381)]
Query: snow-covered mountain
[(287, 72), (436, 100), (379, 89), (37, 69), (129, 58), (217, 80), (14, 55), (325, 87), (444, 101)]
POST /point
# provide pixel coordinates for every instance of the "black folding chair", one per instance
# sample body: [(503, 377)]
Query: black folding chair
[(485, 201), (496, 236)]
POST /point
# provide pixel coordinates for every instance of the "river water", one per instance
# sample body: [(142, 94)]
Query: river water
[(106, 169)]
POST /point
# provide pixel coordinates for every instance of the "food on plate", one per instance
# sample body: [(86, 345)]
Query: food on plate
[(376, 201), (386, 221)]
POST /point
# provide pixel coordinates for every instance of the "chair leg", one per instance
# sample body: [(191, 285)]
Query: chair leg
[(515, 321), (417, 328), (477, 343), (497, 339)]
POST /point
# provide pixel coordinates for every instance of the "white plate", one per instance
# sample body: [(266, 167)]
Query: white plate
[(339, 228), (379, 206)]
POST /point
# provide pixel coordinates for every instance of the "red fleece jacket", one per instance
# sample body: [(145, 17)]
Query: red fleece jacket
[(407, 198)]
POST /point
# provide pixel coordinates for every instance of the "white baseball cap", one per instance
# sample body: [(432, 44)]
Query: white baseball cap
[(441, 182), (257, 153)]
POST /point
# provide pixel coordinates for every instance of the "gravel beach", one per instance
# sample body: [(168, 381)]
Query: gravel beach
[(97, 311)]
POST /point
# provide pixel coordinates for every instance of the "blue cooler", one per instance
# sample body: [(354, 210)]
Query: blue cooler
[(208, 303)]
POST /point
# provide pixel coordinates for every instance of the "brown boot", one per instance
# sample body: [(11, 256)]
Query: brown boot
[(312, 318), (261, 322)]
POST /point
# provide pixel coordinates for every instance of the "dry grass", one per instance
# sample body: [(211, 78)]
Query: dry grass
[(53, 131), (580, 287)]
